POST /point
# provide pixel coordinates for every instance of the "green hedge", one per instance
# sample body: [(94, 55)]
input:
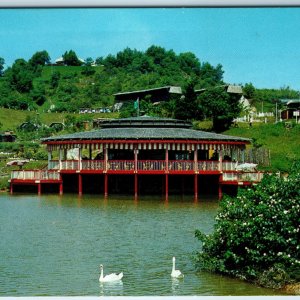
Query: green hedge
[(256, 235)]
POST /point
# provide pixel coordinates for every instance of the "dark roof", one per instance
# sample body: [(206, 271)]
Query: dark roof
[(156, 94), (146, 128), (146, 133), (145, 121)]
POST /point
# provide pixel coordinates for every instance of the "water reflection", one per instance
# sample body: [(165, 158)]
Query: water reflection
[(114, 288), (176, 286)]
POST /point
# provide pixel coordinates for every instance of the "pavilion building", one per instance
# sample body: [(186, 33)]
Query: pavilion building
[(138, 156)]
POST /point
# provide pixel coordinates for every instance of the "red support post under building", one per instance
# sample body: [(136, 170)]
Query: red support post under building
[(167, 187), (61, 191), (135, 186), (39, 188), (11, 188), (220, 188), (105, 185), (79, 184), (196, 187)]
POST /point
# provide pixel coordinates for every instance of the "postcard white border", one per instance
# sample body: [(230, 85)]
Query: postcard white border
[(148, 3)]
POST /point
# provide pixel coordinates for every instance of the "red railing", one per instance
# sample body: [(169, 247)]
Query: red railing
[(208, 165), (97, 165), (181, 165), (142, 165), (151, 165), (120, 165), (147, 166)]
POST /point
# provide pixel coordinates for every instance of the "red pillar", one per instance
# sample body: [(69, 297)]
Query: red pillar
[(167, 187), (105, 185), (220, 188), (79, 184), (167, 160), (196, 187), (39, 188), (135, 160), (61, 188), (11, 188), (135, 186)]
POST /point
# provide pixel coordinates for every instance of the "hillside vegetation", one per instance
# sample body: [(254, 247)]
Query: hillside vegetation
[(39, 92), (39, 85), (282, 141)]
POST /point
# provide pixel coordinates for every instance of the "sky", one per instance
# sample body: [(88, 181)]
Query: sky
[(257, 45)]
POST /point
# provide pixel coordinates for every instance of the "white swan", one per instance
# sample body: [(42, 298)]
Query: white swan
[(109, 277), (176, 273)]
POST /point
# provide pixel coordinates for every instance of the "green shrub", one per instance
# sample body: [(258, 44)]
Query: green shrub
[(256, 235), (4, 185)]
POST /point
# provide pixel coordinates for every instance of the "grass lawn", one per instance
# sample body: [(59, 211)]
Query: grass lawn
[(11, 119), (282, 142)]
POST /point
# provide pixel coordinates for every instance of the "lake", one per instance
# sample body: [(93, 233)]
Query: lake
[(53, 245)]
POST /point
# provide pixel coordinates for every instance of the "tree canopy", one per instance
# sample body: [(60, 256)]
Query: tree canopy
[(220, 106), (67, 88), (2, 62), (40, 58), (71, 59)]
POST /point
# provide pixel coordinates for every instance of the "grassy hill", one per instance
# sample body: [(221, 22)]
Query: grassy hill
[(11, 119), (282, 142)]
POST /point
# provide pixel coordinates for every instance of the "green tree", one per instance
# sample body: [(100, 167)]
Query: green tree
[(210, 76), (256, 235), (38, 94), (88, 70), (54, 79), (99, 61), (71, 59), (221, 106), (189, 63), (20, 76), (89, 61), (187, 106), (40, 58), (157, 53), (249, 90), (2, 63)]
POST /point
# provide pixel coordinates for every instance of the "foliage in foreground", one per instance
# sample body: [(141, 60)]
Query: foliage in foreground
[(256, 235)]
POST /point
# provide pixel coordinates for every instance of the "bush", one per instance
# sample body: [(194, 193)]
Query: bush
[(4, 185), (256, 235)]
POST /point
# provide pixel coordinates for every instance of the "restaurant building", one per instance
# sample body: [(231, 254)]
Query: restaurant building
[(140, 156)]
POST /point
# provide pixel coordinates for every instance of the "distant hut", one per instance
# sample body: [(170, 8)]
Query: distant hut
[(7, 137), (155, 95), (57, 126)]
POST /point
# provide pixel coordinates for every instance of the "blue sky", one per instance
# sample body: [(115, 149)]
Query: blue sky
[(258, 45)]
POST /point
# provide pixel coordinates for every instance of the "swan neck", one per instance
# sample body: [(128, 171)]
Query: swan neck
[(173, 268), (101, 272)]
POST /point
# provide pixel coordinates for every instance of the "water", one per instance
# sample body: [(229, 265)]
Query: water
[(52, 245)]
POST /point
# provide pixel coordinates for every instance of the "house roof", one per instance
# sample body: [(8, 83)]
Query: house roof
[(234, 89), (146, 128), (170, 89), (230, 88)]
